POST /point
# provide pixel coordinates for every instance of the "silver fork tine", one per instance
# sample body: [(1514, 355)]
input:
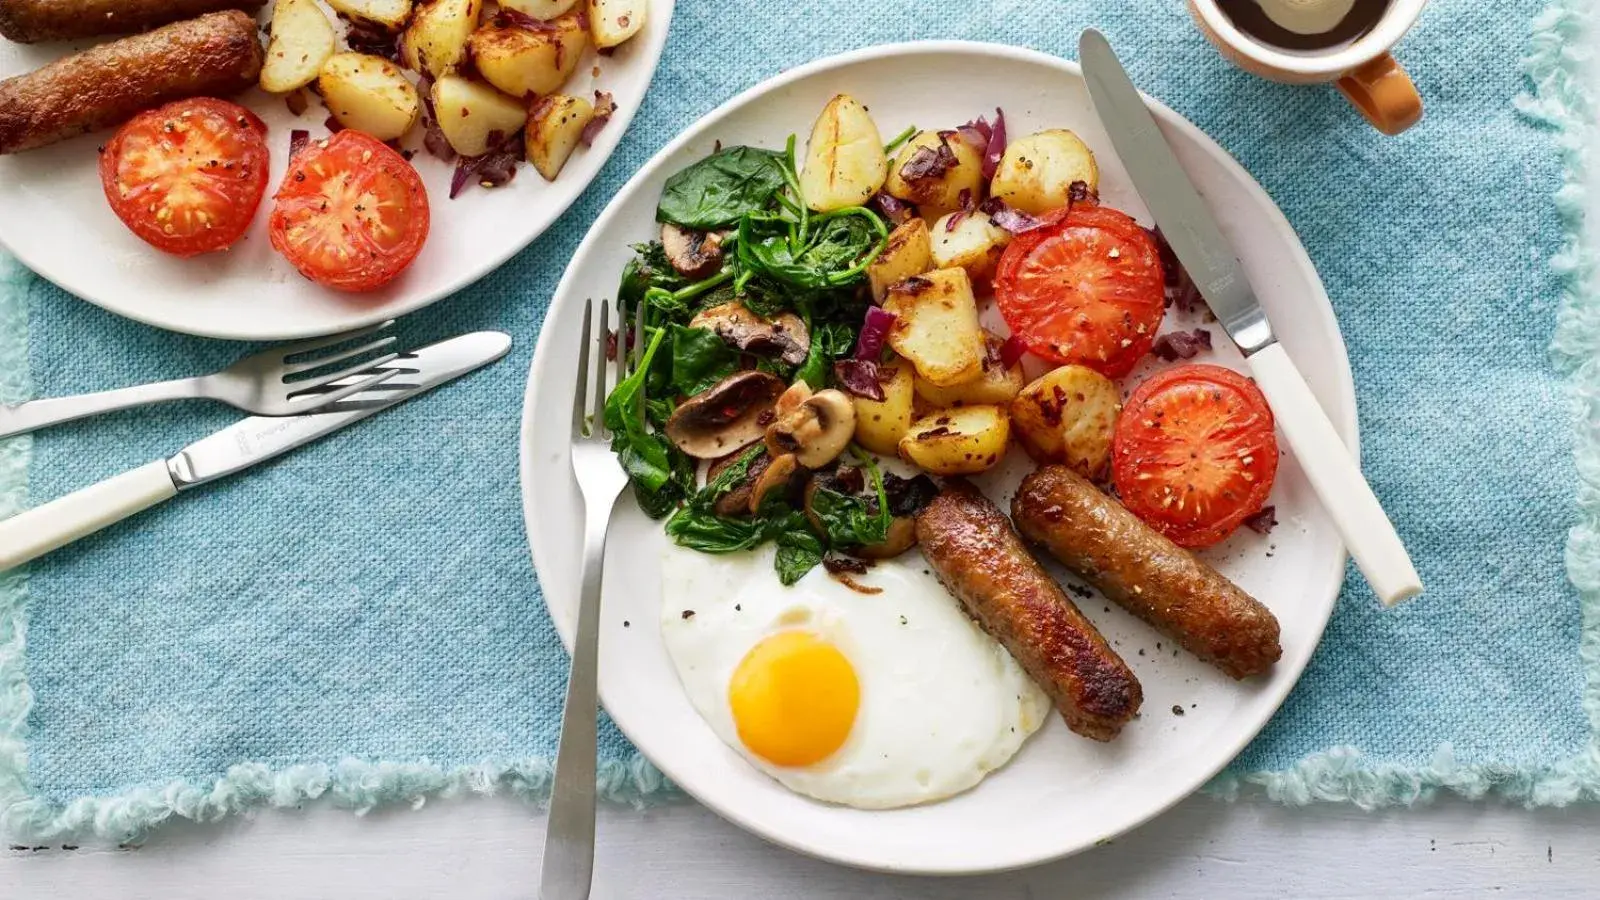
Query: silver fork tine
[(580, 403), (638, 335), (337, 394), (332, 340), (296, 387), (599, 407), (341, 356), (622, 342)]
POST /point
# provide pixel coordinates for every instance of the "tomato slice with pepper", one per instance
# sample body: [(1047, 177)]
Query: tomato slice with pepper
[(187, 177), (1085, 289), (1194, 453), (351, 213)]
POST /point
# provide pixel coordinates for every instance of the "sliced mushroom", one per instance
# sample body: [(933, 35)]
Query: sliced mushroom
[(775, 477), (816, 431), (730, 414), (736, 501), (791, 398), (695, 254), (783, 336), (902, 537)]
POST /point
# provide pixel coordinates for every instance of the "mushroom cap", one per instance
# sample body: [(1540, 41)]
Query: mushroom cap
[(816, 431), (902, 537), (694, 254), (775, 477), (726, 416), (784, 336)]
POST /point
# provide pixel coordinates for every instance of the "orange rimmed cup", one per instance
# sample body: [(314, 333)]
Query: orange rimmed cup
[(1363, 69)]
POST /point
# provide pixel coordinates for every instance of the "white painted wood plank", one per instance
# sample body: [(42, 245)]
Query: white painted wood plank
[(489, 848)]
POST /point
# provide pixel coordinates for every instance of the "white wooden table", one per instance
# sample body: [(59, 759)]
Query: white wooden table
[(490, 848)]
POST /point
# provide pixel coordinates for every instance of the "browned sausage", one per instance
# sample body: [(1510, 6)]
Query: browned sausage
[(31, 21), (1150, 576), (215, 55), (980, 559)]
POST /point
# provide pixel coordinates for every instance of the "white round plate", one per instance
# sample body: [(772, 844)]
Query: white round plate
[(56, 220), (1062, 793)]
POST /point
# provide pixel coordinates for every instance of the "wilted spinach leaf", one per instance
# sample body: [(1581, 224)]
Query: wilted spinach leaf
[(699, 359), (716, 191), (829, 342)]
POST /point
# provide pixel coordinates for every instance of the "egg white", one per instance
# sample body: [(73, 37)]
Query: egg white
[(942, 704)]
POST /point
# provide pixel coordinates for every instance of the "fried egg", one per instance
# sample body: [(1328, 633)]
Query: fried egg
[(871, 701)]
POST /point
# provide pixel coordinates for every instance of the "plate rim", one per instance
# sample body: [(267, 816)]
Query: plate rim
[(1319, 304), (613, 138)]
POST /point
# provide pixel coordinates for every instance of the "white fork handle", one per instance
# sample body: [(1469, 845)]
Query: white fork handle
[(1338, 481), (38, 531), (569, 836)]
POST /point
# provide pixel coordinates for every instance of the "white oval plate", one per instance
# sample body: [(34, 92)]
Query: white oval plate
[(55, 219), (1062, 793)]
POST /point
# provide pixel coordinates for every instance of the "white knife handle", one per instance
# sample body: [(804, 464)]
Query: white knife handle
[(1338, 481), (38, 531)]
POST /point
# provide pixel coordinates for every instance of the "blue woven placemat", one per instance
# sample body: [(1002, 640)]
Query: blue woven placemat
[(360, 621)]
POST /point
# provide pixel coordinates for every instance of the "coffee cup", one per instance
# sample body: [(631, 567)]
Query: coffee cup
[(1361, 67)]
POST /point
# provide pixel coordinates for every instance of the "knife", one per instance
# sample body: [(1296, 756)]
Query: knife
[(38, 531), (1198, 243)]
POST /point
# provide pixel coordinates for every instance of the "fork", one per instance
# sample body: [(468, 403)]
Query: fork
[(264, 384), (569, 836)]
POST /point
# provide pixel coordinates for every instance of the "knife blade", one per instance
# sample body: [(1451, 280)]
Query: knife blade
[(1196, 239), (38, 531)]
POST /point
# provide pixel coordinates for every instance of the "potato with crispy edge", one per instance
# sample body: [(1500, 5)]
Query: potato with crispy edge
[(845, 164), (302, 40), (544, 10), (1036, 172), (938, 191), (469, 111), (554, 128), (880, 424), (436, 41), (612, 22), (391, 14), (369, 94), (963, 441), (1068, 415), (936, 326), (909, 252), (973, 244), (997, 385), (522, 61)]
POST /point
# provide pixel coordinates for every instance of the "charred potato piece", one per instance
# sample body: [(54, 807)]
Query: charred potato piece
[(369, 94), (909, 252), (554, 129), (845, 164), (302, 40), (997, 385), (469, 111), (1068, 415), (963, 441), (880, 424), (1037, 172), (970, 242), (436, 41), (932, 170), (936, 326), (522, 61)]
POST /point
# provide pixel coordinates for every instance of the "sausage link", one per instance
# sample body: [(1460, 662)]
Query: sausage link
[(981, 560), (1148, 575), (215, 55), (31, 21)]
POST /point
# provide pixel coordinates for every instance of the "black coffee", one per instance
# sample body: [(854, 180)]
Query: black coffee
[(1250, 17)]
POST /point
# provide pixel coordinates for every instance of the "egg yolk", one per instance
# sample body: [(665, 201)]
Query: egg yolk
[(794, 698)]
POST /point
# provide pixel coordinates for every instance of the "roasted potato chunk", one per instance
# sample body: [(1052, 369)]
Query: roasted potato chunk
[(1036, 173), (936, 326), (909, 252), (554, 129), (436, 41), (962, 441), (302, 40), (614, 21), (919, 175), (996, 386), (1068, 415), (540, 9), (469, 111), (521, 61), (369, 94), (973, 244), (880, 424), (391, 14), (845, 164)]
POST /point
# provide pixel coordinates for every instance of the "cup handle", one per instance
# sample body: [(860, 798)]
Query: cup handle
[(1383, 92)]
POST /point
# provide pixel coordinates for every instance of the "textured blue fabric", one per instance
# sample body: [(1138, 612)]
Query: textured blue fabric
[(371, 596)]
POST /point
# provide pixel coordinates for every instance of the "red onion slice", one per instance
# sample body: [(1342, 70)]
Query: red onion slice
[(996, 147), (1012, 350), (298, 139), (1176, 345), (604, 106), (859, 377), (874, 331)]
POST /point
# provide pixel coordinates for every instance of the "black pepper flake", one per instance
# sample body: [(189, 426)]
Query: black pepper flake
[(625, 623), (737, 608), (688, 614), (1177, 710)]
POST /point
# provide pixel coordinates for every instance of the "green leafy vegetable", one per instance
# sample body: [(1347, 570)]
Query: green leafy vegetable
[(851, 519), (829, 341), (718, 190), (799, 549), (834, 255), (699, 359), (899, 139)]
